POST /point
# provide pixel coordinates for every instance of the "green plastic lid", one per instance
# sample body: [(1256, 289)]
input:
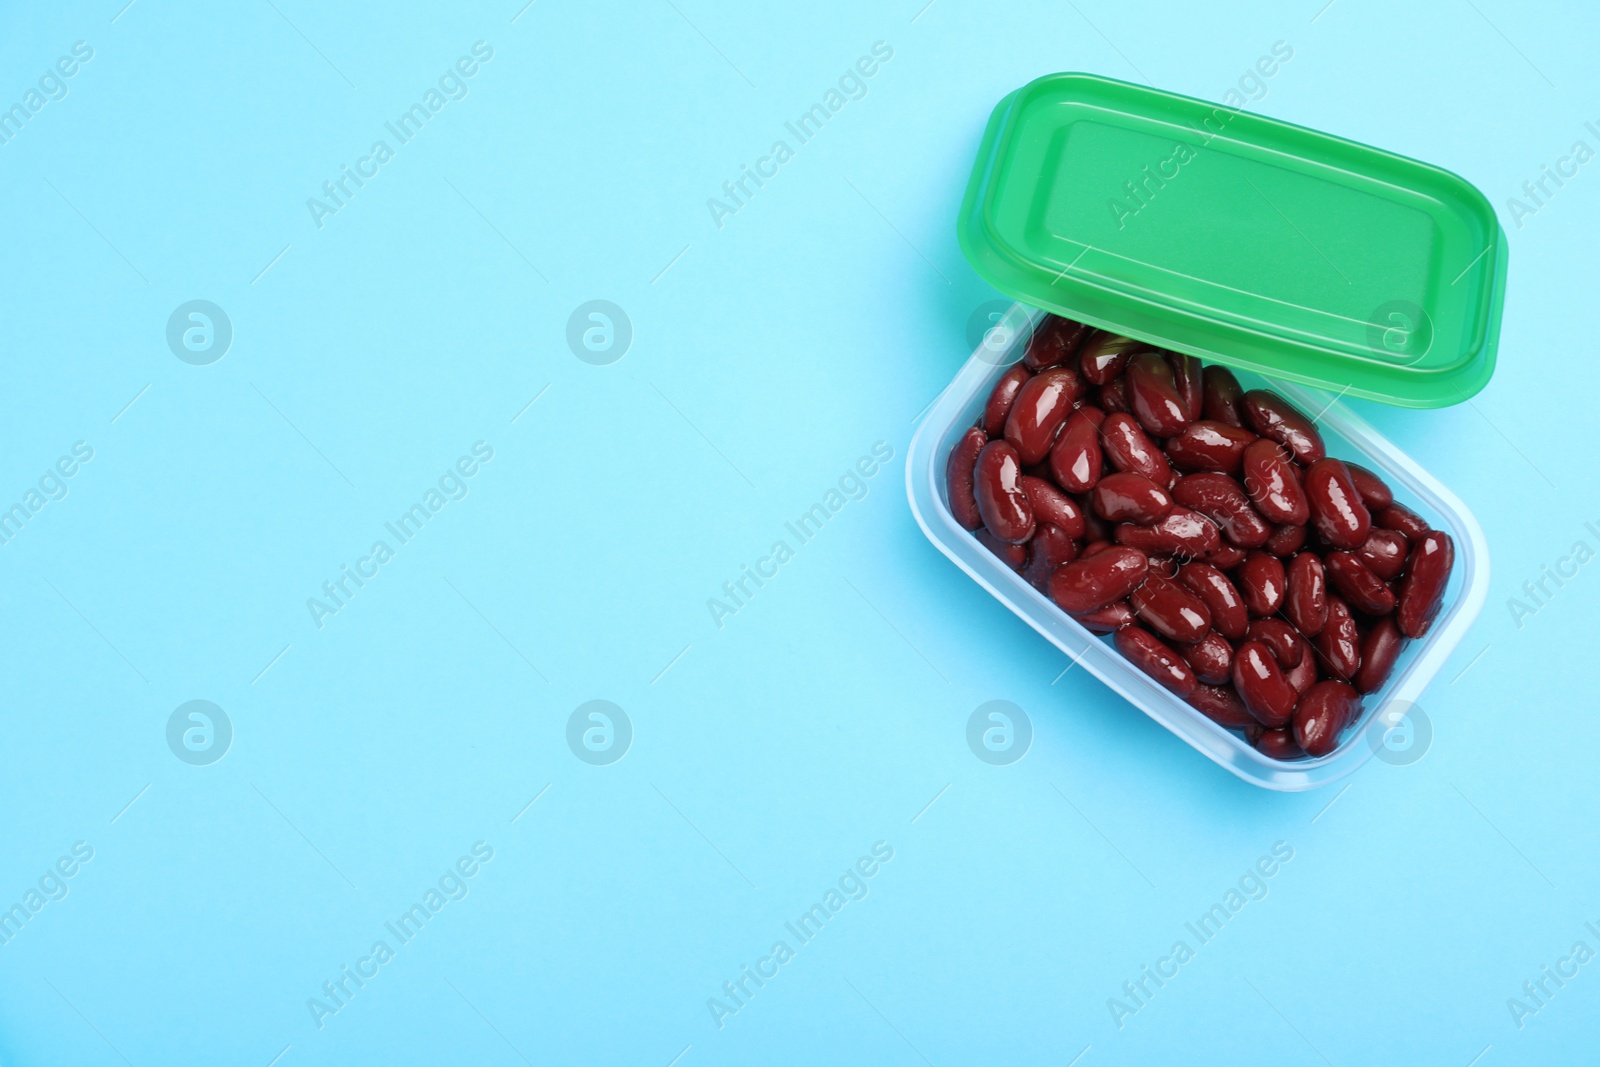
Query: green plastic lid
[(1239, 239)]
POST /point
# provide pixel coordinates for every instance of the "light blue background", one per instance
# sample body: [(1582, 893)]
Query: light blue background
[(768, 355)]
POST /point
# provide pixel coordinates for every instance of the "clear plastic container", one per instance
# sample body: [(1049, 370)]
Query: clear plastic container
[(1347, 437)]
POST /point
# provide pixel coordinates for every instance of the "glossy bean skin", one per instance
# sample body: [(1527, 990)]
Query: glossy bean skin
[(1229, 615), (1422, 589), (1375, 492), (1271, 416), (1091, 582), (1223, 501), (1054, 342), (1340, 517), (1128, 497), (1380, 648), (1263, 583), (1171, 610), (1049, 548), (1219, 703), (1129, 448), (1180, 532), (1187, 372), (1262, 685), (959, 478), (1279, 745), (1281, 638), (1042, 405), (1322, 715), (1014, 556), (1272, 484), (1207, 445), (1286, 540), (1303, 675), (1339, 641), (1147, 652), (1109, 619), (1227, 557), (1361, 589), (1385, 553), (1305, 602), (1211, 659), (1053, 506), (1404, 521), (1153, 395), (1001, 500), (1114, 397), (1076, 459), (1104, 355), (998, 407), (1221, 396)]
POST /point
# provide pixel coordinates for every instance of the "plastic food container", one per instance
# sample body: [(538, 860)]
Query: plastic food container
[(1288, 255)]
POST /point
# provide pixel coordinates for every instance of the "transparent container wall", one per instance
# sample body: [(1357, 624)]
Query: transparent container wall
[(1347, 437)]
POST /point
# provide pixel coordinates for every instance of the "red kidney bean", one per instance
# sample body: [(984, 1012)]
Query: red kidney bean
[(1153, 395), (1262, 581), (1280, 637), (958, 478), (1272, 484), (1223, 501), (1001, 500), (1384, 552), (1042, 405), (1286, 540), (1180, 532), (1379, 650), (1104, 355), (1171, 610), (1227, 557), (1375, 492), (1015, 556), (1303, 675), (1322, 715), (1279, 745), (1402, 519), (998, 407), (1222, 705), (1089, 583), (1147, 652), (1210, 446), (1262, 686), (1336, 508), (1075, 458), (1229, 615), (1211, 659), (1220, 396), (1050, 547), (1094, 544), (1053, 506), (1186, 378), (1108, 619), (1114, 397), (1305, 604), (1271, 416), (1127, 497), (1054, 341), (1422, 589), (1360, 588), (1129, 448), (1339, 641)]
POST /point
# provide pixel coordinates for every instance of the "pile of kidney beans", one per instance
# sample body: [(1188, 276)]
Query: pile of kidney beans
[(1150, 497)]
